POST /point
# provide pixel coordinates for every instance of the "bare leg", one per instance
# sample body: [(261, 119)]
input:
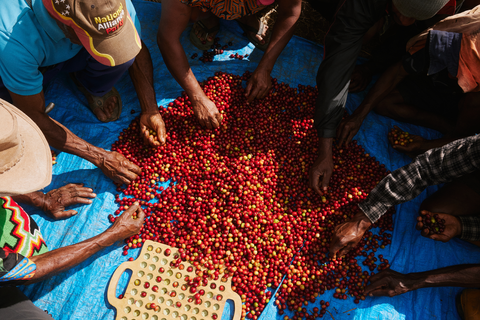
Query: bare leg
[(393, 106), (455, 198)]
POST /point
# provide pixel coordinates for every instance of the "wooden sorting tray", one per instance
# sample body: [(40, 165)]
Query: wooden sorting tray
[(146, 269)]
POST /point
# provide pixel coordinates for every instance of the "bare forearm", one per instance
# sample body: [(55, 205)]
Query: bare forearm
[(141, 73), (36, 199), (56, 261), (465, 275), (57, 135), (325, 145), (282, 33), (177, 63), (387, 82)]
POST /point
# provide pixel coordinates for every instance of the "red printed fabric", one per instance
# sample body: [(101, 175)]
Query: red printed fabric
[(226, 9)]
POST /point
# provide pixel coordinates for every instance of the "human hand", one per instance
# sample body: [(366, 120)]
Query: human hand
[(129, 223), (258, 85), (453, 227), (55, 201), (360, 78), (320, 173), (152, 121), (207, 113), (348, 128), (117, 167), (389, 283), (347, 235), (413, 148)]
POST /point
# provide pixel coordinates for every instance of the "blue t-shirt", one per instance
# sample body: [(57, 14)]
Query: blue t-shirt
[(30, 38)]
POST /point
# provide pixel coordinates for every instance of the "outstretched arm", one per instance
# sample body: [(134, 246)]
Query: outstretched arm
[(56, 261), (349, 127), (391, 283), (114, 165), (141, 73), (288, 14), (174, 19)]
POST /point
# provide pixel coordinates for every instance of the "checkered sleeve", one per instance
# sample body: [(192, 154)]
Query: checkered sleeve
[(433, 167), (470, 228)]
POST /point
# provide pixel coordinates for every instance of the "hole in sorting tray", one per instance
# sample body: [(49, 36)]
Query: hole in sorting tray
[(136, 313), (216, 306), (127, 309), (134, 292), (154, 317), (155, 259), (151, 297), (151, 267), (169, 302), (164, 261), (207, 304), (139, 303), (174, 314), (131, 301), (166, 311), (209, 295), (145, 316), (146, 256), (149, 276), (161, 300), (183, 317), (204, 313), (187, 308), (150, 248), (170, 273), (140, 273), (124, 280), (181, 296), (143, 264), (195, 311)]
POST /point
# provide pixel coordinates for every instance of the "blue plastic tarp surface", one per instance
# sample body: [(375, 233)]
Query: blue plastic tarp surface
[(80, 293)]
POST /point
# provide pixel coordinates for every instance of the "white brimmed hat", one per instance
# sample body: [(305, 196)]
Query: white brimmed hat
[(419, 9), (25, 157)]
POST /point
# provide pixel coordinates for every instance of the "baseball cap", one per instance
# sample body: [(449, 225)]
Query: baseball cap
[(104, 27)]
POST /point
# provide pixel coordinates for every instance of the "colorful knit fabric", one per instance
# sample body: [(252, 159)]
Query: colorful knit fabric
[(20, 238), (226, 9)]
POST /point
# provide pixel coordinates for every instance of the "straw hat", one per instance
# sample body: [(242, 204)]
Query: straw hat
[(25, 157)]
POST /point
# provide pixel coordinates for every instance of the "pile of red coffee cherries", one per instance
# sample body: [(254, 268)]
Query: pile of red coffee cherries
[(238, 203)]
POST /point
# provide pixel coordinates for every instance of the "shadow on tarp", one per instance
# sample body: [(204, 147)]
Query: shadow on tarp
[(80, 292)]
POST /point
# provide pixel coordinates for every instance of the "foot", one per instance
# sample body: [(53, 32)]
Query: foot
[(254, 23), (107, 107), (209, 23), (453, 226)]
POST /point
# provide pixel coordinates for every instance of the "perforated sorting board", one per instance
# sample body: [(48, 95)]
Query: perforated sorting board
[(172, 293)]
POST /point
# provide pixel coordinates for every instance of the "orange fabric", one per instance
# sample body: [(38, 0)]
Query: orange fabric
[(467, 23)]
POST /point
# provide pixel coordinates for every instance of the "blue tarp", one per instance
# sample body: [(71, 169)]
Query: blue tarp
[(80, 293)]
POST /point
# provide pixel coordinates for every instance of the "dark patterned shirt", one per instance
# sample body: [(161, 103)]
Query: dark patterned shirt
[(435, 166)]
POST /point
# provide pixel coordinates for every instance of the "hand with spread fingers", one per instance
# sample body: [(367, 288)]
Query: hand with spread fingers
[(453, 227), (118, 168), (258, 85), (55, 201), (389, 283), (207, 113), (153, 121), (348, 234), (348, 128)]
